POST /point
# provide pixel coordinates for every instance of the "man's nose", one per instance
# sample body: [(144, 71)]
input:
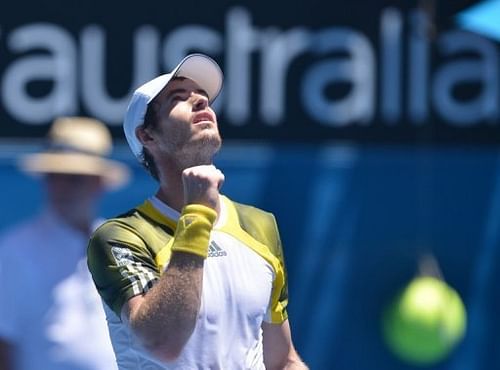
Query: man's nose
[(200, 101)]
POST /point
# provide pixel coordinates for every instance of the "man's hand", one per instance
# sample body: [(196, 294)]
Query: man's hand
[(201, 185)]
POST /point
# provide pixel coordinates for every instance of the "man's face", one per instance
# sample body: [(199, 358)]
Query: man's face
[(73, 197), (186, 128)]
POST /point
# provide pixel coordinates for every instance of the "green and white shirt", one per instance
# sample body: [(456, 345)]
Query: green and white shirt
[(244, 283)]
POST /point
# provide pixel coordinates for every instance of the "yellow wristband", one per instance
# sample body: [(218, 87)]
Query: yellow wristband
[(193, 230)]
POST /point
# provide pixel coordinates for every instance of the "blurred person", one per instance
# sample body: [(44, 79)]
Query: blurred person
[(51, 317), (190, 279)]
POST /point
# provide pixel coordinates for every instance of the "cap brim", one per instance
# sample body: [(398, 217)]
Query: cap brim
[(204, 71), (113, 173)]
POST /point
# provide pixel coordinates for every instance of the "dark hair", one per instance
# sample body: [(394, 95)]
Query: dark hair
[(146, 158)]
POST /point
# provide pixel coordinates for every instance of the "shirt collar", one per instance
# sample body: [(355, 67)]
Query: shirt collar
[(171, 213)]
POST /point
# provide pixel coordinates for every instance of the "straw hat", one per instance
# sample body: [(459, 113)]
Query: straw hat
[(78, 145)]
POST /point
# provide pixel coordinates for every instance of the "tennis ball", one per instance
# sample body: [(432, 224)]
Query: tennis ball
[(425, 322)]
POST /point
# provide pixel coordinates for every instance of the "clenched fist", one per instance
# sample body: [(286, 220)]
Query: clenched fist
[(202, 184)]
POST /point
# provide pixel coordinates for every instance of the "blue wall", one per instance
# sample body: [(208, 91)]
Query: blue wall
[(355, 221)]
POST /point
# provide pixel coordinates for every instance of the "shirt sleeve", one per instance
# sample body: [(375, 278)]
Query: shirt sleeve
[(121, 264), (277, 312)]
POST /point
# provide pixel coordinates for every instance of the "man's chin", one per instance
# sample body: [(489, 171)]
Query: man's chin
[(208, 148), (199, 152), (209, 140)]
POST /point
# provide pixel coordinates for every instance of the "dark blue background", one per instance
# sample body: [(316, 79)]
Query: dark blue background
[(355, 221)]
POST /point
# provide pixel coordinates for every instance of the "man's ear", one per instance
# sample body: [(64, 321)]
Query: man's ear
[(143, 135)]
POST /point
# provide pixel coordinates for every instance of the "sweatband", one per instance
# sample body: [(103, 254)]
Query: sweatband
[(192, 234)]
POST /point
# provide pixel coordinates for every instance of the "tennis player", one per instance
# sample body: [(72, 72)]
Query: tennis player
[(190, 279)]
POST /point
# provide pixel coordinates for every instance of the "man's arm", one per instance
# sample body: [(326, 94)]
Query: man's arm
[(164, 318), (279, 352), (6, 350)]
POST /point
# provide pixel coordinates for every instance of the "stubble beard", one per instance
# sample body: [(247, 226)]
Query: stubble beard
[(199, 152)]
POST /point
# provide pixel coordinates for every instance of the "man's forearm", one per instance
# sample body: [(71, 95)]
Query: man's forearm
[(295, 364), (166, 318)]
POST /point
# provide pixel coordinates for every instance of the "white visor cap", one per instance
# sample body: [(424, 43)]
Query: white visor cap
[(197, 67)]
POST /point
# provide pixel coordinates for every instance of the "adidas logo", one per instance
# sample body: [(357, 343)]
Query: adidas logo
[(215, 251)]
